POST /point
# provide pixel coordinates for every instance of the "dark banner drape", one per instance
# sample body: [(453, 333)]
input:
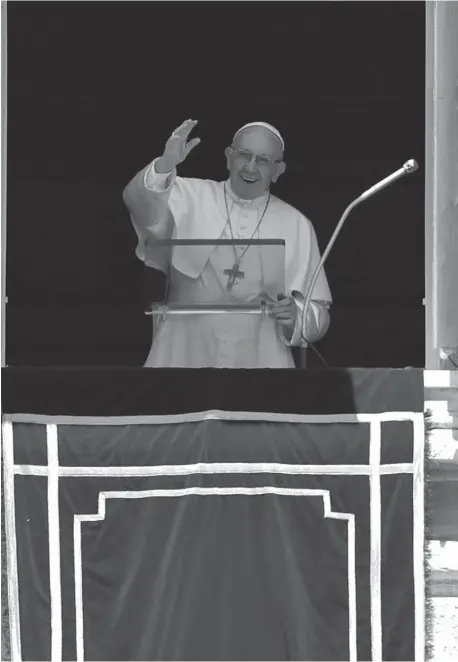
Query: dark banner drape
[(218, 533)]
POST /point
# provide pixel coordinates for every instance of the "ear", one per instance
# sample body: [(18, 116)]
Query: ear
[(281, 167), (227, 153)]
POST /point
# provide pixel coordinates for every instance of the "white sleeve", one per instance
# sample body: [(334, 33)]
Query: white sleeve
[(158, 182), (315, 325)]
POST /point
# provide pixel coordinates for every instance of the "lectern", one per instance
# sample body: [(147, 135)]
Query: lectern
[(217, 292), (205, 277)]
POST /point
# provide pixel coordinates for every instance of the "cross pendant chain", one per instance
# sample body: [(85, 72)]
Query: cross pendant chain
[(233, 274)]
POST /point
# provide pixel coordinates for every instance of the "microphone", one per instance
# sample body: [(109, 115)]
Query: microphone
[(408, 167)]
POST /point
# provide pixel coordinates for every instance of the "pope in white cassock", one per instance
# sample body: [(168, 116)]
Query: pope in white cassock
[(163, 205)]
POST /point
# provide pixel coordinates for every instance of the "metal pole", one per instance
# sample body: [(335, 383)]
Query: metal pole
[(441, 185), (4, 162)]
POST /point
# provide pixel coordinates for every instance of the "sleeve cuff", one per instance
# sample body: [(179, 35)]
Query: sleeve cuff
[(322, 321), (157, 182)]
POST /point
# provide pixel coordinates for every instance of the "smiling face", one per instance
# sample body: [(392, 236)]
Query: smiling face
[(254, 161)]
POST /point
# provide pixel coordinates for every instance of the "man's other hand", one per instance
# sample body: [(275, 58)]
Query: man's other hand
[(285, 311)]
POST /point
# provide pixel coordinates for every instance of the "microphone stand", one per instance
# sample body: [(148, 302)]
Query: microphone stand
[(302, 302)]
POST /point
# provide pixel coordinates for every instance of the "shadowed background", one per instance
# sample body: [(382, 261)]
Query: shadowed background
[(94, 90)]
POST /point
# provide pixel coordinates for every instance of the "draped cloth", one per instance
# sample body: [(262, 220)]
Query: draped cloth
[(236, 515)]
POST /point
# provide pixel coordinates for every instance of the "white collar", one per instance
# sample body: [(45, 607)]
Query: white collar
[(255, 202)]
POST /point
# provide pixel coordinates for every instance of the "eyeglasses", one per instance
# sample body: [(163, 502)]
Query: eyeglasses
[(261, 159)]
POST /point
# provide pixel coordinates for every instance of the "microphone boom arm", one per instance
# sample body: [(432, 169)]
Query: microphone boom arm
[(408, 168)]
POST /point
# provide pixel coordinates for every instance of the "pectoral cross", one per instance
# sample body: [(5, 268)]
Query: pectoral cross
[(233, 274)]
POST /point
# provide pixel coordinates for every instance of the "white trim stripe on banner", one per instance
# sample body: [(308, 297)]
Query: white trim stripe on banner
[(214, 468), (54, 542), (376, 541), (78, 578), (211, 414), (11, 543)]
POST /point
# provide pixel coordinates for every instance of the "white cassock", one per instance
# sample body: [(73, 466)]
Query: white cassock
[(168, 206)]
